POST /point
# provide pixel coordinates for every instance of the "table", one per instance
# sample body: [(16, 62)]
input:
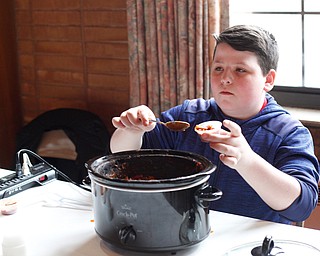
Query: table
[(57, 219)]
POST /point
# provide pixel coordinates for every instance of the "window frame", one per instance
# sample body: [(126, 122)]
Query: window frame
[(301, 97)]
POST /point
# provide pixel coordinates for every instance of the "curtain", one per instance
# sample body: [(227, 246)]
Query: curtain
[(170, 48)]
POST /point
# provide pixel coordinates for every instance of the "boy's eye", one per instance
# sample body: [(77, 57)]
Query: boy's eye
[(240, 70)]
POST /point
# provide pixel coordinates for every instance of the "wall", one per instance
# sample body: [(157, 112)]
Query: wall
[(314, 220), (9, 96), (315, 131), (73, 54)]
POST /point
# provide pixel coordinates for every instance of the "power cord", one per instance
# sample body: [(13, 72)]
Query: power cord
[(20, 169)]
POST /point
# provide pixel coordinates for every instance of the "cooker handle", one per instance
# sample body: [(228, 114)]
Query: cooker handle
[(86, 183), (207, 194)]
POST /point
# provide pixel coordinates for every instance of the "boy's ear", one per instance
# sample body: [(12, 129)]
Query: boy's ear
[(270, 78)]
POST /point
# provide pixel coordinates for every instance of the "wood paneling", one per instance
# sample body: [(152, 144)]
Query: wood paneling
[(9, 96), (73, 54)]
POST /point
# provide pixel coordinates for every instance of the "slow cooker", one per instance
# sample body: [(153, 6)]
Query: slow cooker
[(152, 200)]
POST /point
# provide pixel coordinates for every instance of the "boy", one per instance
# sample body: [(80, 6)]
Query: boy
[(265, 159)]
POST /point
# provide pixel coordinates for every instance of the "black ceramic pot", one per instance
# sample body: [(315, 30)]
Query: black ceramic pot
[(152, 200)]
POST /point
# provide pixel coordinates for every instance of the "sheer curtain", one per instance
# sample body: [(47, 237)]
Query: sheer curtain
[(170, 48)]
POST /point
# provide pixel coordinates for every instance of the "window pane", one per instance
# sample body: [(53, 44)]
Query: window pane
[(312, 5), (312, 51), (288, 36), (265, 6)]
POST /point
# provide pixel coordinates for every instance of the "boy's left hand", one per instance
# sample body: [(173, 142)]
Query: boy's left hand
[(233, 148)]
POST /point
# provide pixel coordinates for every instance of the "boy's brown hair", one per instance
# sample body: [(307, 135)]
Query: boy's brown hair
[(253, 39)]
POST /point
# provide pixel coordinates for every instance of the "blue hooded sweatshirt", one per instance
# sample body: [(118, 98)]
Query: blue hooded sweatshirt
[(273, 134)]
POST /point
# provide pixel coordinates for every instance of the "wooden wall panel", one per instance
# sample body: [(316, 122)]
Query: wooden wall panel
[(73, 54), (9, 97)]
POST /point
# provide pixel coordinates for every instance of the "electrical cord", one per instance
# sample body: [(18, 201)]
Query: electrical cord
[(19, 169)]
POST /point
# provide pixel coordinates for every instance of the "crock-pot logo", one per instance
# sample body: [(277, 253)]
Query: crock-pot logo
[(126, 211)]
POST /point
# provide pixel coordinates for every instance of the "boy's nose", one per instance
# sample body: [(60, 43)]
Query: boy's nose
[(225, 81), (226, 78)]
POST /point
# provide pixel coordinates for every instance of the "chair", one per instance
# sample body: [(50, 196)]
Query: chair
[(67, 138)]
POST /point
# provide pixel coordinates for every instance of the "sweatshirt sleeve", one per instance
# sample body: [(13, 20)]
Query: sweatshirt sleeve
[(302, 207), (296, 157)]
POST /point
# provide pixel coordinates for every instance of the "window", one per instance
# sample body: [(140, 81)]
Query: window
[(294, 24)]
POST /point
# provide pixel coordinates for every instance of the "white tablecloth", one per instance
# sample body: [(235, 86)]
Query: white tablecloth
[(57, 220)]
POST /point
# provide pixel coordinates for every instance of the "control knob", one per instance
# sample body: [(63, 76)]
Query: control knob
[(127, 234)]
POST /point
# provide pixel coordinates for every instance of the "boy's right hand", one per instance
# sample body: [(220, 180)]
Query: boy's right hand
[(137, 118)]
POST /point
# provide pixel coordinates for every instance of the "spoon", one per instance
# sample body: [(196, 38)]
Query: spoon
[(177, 126)]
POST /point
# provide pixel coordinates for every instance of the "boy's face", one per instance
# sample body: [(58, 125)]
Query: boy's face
[(237, 82)]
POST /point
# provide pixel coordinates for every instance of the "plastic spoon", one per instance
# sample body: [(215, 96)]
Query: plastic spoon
[(177, 126)]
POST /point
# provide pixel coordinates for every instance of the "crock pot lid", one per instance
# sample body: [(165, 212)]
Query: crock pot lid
[(281, 247)]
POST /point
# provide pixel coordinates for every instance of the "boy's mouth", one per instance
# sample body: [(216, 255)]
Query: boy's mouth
[(226, 93)]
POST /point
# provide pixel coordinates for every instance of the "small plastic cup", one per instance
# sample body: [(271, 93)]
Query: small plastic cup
[(209, 126), (13, 244), (8, 206)]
